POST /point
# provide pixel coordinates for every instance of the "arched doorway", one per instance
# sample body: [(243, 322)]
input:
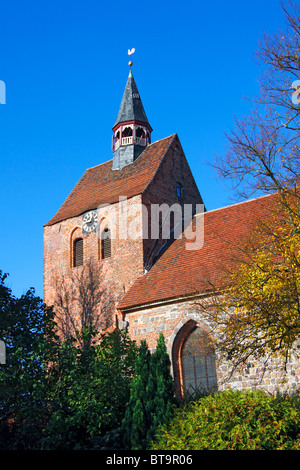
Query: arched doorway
[(194, 361)]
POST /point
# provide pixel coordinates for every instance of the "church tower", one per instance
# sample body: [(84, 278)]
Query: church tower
[(105, 224), (131, 131), (118, 253)]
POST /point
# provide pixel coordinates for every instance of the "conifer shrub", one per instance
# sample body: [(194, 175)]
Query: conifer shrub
[(233, 420), (151, 397)]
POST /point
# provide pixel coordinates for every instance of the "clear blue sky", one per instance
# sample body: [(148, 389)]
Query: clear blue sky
[(65, 66)]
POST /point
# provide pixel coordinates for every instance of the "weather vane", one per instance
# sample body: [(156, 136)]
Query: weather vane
[(130, 52)]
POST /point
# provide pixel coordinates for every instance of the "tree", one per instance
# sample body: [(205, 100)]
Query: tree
[(82, 300), (151, 397), (263, 149), (91, 386), (258, 315), (159, 390), (58, 393), (134, 425), (27, 329)]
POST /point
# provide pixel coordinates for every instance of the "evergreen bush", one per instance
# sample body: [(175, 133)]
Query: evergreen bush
[(151, 399), (233, 420)]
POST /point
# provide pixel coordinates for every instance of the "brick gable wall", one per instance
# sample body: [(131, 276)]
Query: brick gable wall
[(119, 271), (128, 256), (173, 169)]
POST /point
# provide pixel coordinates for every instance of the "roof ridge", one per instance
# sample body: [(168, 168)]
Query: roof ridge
[(237, 204), (99, 164), (86, 194), (180, 272), (152, 143)]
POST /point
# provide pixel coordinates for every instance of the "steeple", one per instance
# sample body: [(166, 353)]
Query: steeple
[(131, 131)]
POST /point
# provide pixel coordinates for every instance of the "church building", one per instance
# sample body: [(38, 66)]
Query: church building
[(142, 222)]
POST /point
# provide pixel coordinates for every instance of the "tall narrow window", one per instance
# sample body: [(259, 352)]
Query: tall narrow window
[(179, 188), (78, 252), (198, 363), (105, 244)]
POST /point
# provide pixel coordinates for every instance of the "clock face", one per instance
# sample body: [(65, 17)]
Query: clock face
[(89, 222)]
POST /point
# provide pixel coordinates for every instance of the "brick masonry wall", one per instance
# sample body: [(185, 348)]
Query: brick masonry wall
[(173, 169), (171, 319), (119, 271), (126, 264), (128, 255)]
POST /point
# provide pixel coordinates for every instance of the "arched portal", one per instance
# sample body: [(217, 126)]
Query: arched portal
[(194, 361)]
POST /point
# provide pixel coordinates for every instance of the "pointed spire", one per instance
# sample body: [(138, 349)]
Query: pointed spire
[(131, 108), (131, 131)]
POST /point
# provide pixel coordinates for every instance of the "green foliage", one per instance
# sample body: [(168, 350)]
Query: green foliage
[(26, 327), (57, 395), (134, 426), (159, 390), (232, 420), (92, 385), (151, 398)]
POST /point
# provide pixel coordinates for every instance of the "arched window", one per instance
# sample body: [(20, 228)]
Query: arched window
[(78, 252), (198, 363), (127, 136), (105, 243), (127, 132), (140, 132)]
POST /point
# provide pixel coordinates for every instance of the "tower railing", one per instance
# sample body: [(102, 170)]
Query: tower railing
[(127, 140), (141, 141)]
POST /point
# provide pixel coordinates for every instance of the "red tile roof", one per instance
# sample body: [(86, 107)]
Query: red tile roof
[(180, 273), (102, 185)]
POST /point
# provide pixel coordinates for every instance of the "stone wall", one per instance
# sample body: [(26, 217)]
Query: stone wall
[(172, 319)]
